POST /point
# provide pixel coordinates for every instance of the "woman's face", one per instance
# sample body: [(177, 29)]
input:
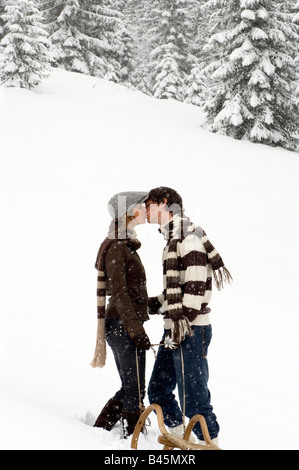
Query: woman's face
[(140, 214)]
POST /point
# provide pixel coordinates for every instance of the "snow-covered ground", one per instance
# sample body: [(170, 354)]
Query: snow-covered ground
[(65, 149)]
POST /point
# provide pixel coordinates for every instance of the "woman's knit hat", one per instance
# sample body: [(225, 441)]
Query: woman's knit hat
[(121, 203)]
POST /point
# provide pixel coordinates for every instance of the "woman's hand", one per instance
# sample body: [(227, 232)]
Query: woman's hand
[(142, 342)]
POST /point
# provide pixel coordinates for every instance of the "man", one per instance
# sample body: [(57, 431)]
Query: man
[(189, 263)]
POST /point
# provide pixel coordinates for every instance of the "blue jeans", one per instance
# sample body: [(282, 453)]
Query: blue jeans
[(168, 374), (124, 351)]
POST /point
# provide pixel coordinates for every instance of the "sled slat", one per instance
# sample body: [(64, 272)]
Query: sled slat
[(168, 440)]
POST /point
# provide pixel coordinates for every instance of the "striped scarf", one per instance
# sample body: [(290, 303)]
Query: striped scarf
[(100, 353), (175, 231)]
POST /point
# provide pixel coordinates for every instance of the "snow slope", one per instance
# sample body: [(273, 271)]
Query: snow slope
[(65, 149)]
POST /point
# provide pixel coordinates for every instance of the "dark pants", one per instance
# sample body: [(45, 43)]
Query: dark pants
[(168, 373), (124, 351)]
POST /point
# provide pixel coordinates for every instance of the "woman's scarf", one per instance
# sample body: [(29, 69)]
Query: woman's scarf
[(100, 353)]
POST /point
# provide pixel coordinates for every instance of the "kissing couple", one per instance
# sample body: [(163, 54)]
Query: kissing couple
[(190, 264)]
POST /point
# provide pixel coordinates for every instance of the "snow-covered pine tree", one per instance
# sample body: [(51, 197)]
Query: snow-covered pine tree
[(2, 23), (168, 83), (286, 13), (199, 30), (101, 37), (25, 56), (169, 37), (121, 40), (284, 6), (140, 78), (138, 21), (296, 22), (87, 38), (126, 54), (194, 81), (51, 10), (251, 80), (195, 88), (67, 38)]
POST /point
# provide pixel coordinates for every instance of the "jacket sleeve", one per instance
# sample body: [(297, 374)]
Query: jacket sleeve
[(194, 261), (115, 263)]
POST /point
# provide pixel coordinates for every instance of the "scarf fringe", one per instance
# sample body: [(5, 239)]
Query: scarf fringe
[(221, 276), (181, 329), (100, 353)]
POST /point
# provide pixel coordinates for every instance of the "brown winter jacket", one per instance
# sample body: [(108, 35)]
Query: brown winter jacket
[(126, 284)]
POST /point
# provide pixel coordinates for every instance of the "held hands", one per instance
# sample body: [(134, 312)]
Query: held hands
[(180, 329), (142, 342), (154, 305)]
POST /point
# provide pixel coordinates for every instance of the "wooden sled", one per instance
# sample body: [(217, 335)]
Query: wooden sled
[(169, 441)]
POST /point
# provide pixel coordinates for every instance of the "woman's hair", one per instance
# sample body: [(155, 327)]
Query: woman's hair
[(118, 228)]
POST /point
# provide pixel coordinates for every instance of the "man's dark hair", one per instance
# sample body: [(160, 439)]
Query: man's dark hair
[(174, 200)]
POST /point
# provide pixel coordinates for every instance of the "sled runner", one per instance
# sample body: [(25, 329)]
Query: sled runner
[(169, 441)]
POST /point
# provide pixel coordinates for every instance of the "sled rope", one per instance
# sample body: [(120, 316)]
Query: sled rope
[(183, 379), (184, 390), (141, 407)]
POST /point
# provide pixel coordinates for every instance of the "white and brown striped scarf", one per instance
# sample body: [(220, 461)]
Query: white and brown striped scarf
[(176, 230), (100, 353)]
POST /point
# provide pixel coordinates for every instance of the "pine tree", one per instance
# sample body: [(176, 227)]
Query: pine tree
[(200, 31), (123, 40), (195, 87), (25, 57), (125, 53), (51, 10), (170, 47), (138, 21), (250, 83), (67, 39), (168, 83), (284, 6), (286, 11), (296, 22), (88, 37), (140, 78), (101, 32), (2, 23)]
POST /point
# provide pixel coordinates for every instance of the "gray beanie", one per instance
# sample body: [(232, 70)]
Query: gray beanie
[(121, 203)]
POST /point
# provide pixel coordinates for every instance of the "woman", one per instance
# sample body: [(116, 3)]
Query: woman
[(121, 275)]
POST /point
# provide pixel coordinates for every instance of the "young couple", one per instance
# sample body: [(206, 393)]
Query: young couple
[(189, 264)]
